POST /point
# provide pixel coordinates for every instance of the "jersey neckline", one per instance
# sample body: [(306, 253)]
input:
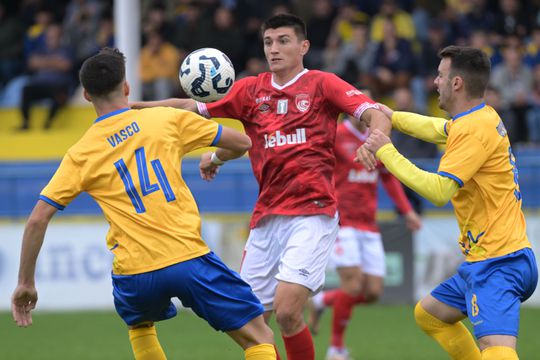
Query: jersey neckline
[(290, 82), (471, 110), (112, 113)]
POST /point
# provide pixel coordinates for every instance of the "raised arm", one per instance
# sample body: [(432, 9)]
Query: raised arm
[(231, 145), (24, 297), (186, 104), (426, 128), (434, 187)]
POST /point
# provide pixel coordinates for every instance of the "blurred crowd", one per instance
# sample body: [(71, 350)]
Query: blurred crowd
[(387, 46)]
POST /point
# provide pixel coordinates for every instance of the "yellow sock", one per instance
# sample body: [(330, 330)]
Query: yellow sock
[(145, 344), (455, 339), (260, 352), (499, 353)]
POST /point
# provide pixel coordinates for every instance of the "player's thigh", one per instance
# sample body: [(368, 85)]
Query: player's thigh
[(351, 279), (309, 242), (215, 293), (290, 298), (447, 301), (372, 286), (142, 298), (496, 289), (346, 249), (372, 253), (253, 333), (260, 263)]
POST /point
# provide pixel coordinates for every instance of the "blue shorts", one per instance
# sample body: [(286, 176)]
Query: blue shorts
[(204, 284), (490, 292)]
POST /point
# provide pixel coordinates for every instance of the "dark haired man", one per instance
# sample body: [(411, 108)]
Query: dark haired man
[(290, 114), (129, 162), (478, 173)]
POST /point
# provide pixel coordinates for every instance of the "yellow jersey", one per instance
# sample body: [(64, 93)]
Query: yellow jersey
[(129, 162), (488, 204)]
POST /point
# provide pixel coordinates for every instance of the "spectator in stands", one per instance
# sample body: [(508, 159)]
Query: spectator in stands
[(156, 20), (477, 18), (224, 34), (479, 39), (51, 79), (532, 56), (159, 65), (514, 80), (512, 19), (423, 85), (355, 57), (254, 66), (320, 27), (11, 43), (402, 21), (394, 63), (411, 147), (533, 114), (35, 34), (186, 36)]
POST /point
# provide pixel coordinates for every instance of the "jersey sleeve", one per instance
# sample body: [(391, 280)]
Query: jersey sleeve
[(233, 105), (346, 97), (65, 184), (197, 132), (464, 155)]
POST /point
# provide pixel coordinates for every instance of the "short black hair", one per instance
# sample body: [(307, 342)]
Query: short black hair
[(286, 20), (103, 73), (472, 65)]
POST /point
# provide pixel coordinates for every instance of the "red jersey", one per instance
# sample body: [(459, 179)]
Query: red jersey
[(292, 129), (356, 187)]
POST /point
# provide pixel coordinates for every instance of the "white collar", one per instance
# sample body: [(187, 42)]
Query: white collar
[(292, 81)]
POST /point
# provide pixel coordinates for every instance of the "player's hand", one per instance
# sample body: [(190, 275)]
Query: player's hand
[(23, 301), (376, 140), (365, 157), (207, 169), (413, 221), (386, 110)]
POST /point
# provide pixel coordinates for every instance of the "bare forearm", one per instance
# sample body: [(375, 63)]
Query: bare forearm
[(186, 104), (34, 234), (376, 119), (226, 154)]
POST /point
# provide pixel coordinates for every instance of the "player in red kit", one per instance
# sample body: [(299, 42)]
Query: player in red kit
[(290, 114), (358, 253)]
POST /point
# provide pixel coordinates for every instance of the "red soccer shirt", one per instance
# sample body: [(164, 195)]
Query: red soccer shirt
[(356, 187), (292, 129)]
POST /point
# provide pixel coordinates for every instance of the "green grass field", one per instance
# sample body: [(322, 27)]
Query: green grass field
[(375, 333)]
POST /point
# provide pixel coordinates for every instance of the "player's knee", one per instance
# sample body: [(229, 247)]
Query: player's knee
[(288, 319), (372, 295), (420, 316)]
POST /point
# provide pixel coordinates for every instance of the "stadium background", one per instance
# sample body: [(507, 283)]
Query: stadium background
[(352, 38)]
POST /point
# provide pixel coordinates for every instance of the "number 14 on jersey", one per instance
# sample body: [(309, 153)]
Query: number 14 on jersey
[(144, 180)]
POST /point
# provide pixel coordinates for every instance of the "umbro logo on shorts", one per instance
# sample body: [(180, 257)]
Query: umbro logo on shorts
[(303, 272)]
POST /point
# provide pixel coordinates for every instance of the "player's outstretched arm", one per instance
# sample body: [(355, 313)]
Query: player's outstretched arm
[(435, 188), (24, 297), (186, 104), (426, 128), (231, 145)]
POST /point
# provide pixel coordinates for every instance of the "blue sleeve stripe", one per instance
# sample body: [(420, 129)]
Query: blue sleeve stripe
[(51, 202), (453, 177), (218, 135)]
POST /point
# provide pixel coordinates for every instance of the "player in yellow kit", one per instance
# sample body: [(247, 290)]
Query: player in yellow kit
[(129, 161), (478, 173)]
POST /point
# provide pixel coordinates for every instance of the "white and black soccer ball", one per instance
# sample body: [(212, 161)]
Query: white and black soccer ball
[(206, 75)]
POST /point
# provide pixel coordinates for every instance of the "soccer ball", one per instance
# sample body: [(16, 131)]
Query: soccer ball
[(206, 75)]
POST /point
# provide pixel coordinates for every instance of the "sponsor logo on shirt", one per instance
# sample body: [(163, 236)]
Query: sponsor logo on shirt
[(279, 139), (282, 106), (362, 176), (263, 99), (353, 92), (302, 102)]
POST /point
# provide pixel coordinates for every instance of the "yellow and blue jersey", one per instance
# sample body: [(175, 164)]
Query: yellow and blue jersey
[(129, 161), (488, 204)]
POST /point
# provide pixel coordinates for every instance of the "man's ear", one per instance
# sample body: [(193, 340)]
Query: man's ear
[(457, 83), (87, 95), (305, 47), (126, 88)]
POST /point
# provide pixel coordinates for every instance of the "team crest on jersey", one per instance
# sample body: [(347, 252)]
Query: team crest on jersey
[(302, 102), (501, 129)]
